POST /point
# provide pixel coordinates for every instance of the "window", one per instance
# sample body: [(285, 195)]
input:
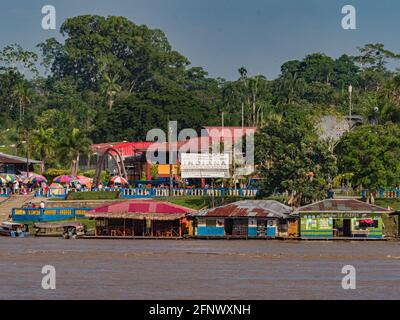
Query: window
[(211, 223)]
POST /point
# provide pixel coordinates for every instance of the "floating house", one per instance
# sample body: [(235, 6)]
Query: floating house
[(249, 218), (140, 218), (341, 218)]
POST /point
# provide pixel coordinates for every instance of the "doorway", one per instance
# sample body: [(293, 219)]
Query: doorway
[(342, 228)]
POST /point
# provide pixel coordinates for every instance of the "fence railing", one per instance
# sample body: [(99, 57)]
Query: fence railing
[(51, 214), (4, 192), (131, 193), (382, 194), (176, 192)]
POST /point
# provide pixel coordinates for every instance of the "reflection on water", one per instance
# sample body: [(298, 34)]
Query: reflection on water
[(146, 269)]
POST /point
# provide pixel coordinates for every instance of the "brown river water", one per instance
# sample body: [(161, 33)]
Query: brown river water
[(190, 269)]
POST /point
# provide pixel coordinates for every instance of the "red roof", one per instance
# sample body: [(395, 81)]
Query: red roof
[(130, 149), (126, 149), (143, 206)]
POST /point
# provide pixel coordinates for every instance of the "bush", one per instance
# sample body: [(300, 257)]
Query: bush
[(52, 173), (100, 195), (104, 175)]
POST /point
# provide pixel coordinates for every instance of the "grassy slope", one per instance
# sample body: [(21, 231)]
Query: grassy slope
[(101, 195)]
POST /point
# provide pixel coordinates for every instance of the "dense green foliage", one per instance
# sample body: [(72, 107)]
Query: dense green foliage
[(111, 80)]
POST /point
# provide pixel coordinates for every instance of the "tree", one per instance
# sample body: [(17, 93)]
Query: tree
[(291, 86), (292, 159), (15, 59), (72, 145), (24, 95), (371, 154), (43, 143), (110, 89)]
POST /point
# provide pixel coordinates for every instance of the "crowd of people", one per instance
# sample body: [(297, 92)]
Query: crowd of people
[(25, 187)]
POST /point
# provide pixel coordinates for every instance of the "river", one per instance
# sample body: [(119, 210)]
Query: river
[(147, 269)]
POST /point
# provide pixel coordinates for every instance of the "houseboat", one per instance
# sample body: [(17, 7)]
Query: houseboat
[(245, 219), (140, 219), (341, 218)]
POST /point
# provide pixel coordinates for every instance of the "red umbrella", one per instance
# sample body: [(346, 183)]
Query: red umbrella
[(65, 179), (119, 180)]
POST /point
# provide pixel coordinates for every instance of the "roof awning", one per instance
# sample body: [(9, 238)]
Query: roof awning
[(137, 216), (9, 159)]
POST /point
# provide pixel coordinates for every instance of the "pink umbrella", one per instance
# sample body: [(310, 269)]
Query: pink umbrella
[(84, 180), (65, 179), (119, 180)]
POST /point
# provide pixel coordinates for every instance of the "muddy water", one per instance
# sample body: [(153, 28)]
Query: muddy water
[(108, 269)]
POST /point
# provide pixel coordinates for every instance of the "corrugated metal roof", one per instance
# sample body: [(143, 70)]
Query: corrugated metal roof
[(128, 209), (6, 158), (248, 208), (342, 205)]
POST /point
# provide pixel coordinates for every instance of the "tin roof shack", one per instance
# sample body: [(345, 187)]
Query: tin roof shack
[(341, 218), (140, 218), (249, 218)]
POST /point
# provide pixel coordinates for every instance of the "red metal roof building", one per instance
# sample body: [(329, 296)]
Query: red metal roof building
[(140, 218)]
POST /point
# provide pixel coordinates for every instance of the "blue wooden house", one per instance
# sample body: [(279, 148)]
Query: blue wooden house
[(248, 218)]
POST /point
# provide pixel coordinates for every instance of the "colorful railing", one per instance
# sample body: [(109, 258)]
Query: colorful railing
[(382, 194), (176, 192), (140, 193), (43, 215)]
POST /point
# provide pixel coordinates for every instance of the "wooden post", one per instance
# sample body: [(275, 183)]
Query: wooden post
[(95, 227), (180, 227), (124, 227)]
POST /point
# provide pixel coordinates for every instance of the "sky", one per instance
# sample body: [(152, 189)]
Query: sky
[(223, 35)]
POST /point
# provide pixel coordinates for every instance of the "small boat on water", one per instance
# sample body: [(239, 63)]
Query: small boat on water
[(67, 230), (13, 229)]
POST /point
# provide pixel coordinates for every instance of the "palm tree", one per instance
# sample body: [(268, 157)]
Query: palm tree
[(293, 86), (44, 143), (24, 95), (72, 146), (110, 89)]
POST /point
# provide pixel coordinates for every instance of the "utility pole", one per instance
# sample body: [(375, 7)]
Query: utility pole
[(350, 105), (27, 153), (242, 116)]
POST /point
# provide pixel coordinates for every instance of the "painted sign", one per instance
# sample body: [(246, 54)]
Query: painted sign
[(204, 165)]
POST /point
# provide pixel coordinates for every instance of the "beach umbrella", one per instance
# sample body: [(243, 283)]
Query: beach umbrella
[(56, 186), (3, 181), (84, 180), (65, 179), (119, 180), (37, 179), (9, 177)]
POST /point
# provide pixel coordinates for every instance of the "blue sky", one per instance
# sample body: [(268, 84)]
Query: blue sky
[(223, 35)]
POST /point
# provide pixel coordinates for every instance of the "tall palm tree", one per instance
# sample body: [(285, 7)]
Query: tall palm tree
[(293, 86), (44, 143), (24, 95), (72, 146), (110, 89)]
